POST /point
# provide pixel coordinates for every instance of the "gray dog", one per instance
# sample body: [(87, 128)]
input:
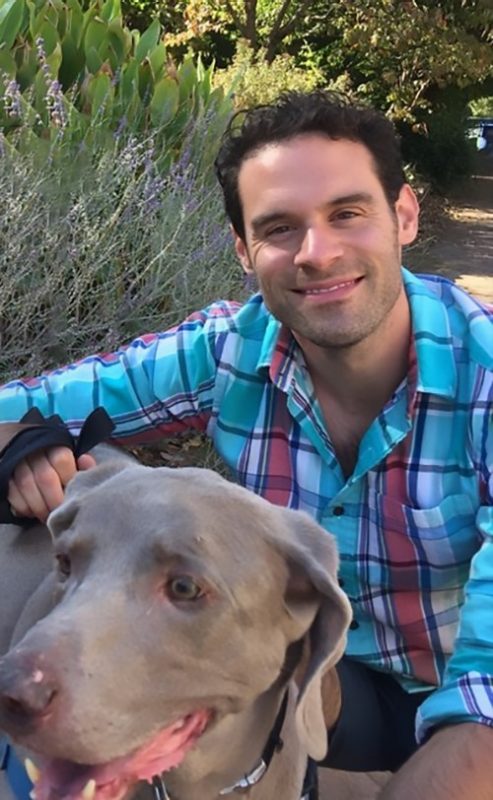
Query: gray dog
[(166, 638)]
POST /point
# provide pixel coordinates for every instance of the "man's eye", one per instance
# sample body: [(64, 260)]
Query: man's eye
[(279, 230), (346, 214)]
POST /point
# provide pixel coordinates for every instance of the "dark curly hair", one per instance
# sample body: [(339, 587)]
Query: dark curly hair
[(295, 113)]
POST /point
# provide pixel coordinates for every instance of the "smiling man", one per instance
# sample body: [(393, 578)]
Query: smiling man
[(351, 389)]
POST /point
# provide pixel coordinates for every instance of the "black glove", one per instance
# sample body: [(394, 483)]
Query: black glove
[(33, 433)]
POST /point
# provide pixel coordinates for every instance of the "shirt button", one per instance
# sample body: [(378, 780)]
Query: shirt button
[(338, 511), (354, 625)]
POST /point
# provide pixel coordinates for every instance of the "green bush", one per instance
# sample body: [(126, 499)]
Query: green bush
[(252, 80), (67, 67)]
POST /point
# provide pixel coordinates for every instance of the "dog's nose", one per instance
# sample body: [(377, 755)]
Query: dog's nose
[(27, 692)]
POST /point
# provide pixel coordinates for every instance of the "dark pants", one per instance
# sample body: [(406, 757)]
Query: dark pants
[(375, 730)]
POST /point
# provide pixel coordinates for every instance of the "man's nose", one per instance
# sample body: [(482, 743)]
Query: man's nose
[(319, 247)]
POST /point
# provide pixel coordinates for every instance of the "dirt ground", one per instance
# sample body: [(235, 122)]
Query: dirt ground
[(462, 245)]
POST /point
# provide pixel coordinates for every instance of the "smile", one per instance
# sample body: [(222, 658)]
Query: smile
[(332, 289)]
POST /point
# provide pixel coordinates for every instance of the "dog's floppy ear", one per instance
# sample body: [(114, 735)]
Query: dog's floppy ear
[(315, 601), (63, 516)]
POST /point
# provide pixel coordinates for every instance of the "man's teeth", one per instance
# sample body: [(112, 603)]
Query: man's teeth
[(89, 790), (329, 289), (33, 772)]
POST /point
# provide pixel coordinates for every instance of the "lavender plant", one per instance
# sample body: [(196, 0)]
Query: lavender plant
[(101, 244)]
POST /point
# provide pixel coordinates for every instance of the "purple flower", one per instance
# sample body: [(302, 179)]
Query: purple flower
[(12, 99), (56, 108)]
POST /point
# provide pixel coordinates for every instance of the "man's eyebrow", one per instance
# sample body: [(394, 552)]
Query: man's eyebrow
[(262, 220), (348, 199), (266, 219)]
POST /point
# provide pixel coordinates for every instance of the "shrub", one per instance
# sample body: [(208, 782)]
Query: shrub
[(71, 68), (252, 80), (98, 248)]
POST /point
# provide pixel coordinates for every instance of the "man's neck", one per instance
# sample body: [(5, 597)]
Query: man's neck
[(352, 385), (362, 378)]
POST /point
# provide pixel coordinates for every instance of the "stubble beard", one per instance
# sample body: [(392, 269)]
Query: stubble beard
[(331, 328)]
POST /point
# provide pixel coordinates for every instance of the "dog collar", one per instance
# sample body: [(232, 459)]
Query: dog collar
[(274, 745)]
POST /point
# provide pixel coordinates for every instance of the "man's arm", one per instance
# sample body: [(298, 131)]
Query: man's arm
[(454, 764)]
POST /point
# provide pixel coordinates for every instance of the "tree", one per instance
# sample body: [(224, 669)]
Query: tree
[(395, 53)]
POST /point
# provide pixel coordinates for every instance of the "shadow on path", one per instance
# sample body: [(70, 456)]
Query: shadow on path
[(463, 250)]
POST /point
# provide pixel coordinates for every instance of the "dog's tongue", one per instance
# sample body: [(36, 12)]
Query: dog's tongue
[(66, 780)]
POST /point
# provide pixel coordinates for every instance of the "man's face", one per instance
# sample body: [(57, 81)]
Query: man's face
[(321, 238)]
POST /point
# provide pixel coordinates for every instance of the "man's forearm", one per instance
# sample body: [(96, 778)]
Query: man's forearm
[(454, 764)]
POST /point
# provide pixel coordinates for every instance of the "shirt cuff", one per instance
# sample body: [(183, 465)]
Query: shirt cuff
[(468, 699)]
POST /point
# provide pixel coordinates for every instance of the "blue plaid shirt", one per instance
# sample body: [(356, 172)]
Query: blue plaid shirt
[(414, 522)]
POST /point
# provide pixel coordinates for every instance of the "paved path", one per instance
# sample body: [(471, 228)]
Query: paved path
[(463, 250)]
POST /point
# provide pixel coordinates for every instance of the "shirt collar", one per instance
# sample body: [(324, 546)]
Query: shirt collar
[(431, 346), (432, 339)]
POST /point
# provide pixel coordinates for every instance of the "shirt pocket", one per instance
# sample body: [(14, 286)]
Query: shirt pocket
[(418, 549)]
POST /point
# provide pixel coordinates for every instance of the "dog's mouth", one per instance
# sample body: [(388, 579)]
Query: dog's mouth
[(66, 780)]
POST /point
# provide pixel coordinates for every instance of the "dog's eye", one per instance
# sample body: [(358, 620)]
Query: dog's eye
[(183, 587), (63, 565)]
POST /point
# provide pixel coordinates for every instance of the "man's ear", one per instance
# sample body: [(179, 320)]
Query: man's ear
[(242, 252), (407, 213)]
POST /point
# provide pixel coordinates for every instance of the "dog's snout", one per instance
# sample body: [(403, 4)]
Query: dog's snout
[(27, 692)]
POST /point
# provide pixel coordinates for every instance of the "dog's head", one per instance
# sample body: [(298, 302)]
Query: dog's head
[(180, 596)]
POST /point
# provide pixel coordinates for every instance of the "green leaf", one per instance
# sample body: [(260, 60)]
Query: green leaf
[(10, 23), (100, 93), (164, 102), (55, 59), (118, 42), (49, 35), (5, 9), (146, 82), (148, 40), (157, 60), (7, 63), (187, 79), (72, 62), (129, 82), (94, 61), (95, 37), (75, 22), (111, 10)]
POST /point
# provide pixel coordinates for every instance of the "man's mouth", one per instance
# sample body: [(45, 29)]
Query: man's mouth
[(57, 779), (327, 289)]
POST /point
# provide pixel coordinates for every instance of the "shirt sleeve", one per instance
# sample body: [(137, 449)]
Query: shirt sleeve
[(466, 694), (160, 384)]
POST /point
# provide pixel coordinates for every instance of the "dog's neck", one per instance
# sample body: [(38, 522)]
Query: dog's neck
[(233, 747)]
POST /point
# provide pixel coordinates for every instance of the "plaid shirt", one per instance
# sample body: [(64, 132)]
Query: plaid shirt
[(414, 522)]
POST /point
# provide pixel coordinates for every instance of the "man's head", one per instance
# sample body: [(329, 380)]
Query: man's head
[(320, 210), (297, 113)]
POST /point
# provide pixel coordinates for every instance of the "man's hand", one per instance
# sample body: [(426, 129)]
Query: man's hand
[(454, 765), (38, 483)]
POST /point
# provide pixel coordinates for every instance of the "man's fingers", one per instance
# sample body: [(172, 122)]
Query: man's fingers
[(17, 503), (62, 462), (25, 497), (86, 462), (37, 485)]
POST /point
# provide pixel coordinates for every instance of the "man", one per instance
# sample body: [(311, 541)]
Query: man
[(351, 389)]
